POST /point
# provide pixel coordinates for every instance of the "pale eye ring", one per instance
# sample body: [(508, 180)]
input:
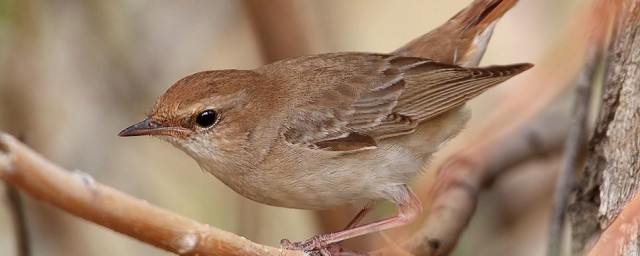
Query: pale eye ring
[(207, 118)]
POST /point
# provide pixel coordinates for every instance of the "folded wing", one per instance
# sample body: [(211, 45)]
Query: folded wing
[(385, 96)]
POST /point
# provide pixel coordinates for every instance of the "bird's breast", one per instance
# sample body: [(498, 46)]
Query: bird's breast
[(294, 176)]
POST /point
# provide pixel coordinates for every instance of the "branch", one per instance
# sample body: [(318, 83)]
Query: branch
[(574, 144), (283, 29), (573, 147), (463, 175), (78, 194), (610, 176), (19, 221)]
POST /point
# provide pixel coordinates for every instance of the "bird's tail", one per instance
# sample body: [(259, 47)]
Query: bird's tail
[(463, 39)]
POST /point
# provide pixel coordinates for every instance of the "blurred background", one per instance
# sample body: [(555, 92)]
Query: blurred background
[(74, 73)]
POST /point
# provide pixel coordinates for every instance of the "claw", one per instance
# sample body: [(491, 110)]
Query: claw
[(316, 243)]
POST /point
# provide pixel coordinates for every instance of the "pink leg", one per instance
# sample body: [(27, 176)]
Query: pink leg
[(336, 248), (354, 222), (409, 208)]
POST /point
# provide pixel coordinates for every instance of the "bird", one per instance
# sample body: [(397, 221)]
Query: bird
[(321, 131)]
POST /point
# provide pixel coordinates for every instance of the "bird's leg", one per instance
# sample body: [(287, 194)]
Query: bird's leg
[(336, 248), (361, 214), (409, 208)]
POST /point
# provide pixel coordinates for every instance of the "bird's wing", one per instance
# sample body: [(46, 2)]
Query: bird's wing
[(380, 96)]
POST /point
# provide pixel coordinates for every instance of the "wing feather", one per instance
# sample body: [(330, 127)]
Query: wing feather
[(363, 98)]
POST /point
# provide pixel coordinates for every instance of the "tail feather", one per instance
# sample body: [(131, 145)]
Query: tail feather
[(463, 39), (481, 13)]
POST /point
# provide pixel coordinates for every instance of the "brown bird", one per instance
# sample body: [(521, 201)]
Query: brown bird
[(321, 131)]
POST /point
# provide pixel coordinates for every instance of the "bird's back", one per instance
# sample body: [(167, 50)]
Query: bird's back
[(350, 101)]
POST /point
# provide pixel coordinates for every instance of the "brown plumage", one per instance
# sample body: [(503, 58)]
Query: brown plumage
[(462, 39), (320, 131), (375, 96)]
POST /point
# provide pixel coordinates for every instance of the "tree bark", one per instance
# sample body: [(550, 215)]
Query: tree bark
[(612, 170)]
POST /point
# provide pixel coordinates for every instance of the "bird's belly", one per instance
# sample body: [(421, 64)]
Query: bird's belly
[(324, 180), (328, 182)]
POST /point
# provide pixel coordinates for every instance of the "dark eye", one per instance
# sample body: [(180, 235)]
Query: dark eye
[(206, 118)]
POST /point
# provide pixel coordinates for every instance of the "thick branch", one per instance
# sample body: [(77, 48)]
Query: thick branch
[(612, 171), (621, 147), (78, 194)]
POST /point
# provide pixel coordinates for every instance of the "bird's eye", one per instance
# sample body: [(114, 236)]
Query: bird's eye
[(206, 118)]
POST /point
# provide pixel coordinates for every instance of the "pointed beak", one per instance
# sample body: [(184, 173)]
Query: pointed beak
[(151, 127)]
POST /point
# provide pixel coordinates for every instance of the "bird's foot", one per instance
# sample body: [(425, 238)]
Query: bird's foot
[(316, 243)]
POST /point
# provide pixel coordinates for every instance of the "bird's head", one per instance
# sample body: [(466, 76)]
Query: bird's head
[(208, 114)]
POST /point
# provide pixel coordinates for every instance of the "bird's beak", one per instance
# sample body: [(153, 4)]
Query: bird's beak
[(151, 127)]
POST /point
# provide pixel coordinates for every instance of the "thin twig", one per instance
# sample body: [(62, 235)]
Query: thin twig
[(78, 194), (574, 145), (575, 142), (19, 221)]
